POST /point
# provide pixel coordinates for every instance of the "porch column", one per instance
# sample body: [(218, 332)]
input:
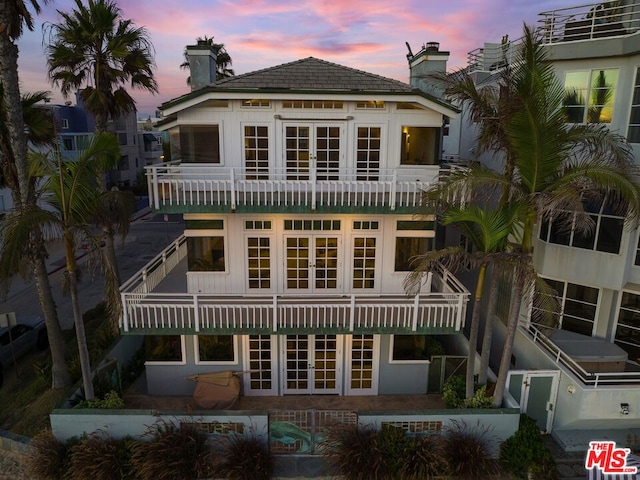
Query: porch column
[(152, 185), (460, 318), (416, 307), (196, 313), (125, 313), (352, 313), (233, 191), (392, 199), (275, 314)]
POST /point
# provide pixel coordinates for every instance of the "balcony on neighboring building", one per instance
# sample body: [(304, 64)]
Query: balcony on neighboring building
[(197, 188), (155, 300)]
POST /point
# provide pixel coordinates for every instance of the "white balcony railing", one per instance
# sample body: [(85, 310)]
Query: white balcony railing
[(146, 311), (595, 379), (189, 185)]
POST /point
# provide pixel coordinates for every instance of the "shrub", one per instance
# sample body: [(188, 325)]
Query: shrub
[(467, 452), (394, 445), (453, 391), (99, 457), (480, 399), (353, 453), (245, 457), (524, 452), (173, 452), (425, 459), (111, 401), (47, 460)]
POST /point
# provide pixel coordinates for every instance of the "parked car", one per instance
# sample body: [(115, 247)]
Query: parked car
[(29, 332)]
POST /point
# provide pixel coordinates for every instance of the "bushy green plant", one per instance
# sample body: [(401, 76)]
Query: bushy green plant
[(100, 457), (425, 459), (47, 459), (480, 399), (395, 445), (243, 458), (467, 451), (111, 401), (525, 451), (352, 452), (172, 452), (453, 391)]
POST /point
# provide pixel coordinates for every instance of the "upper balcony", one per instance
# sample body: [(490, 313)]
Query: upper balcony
[(613, 21), (155, 301), (198, 188)]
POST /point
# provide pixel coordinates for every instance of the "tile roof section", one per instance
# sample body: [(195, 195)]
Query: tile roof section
[(313, 74)]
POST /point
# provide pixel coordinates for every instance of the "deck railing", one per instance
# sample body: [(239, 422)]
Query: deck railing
[(183, 185), (595, 379), (146, 311)]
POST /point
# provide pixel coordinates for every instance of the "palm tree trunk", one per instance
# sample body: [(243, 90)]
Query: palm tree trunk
[(487, 336), (473, 332), (512, 327), (83, 351), (13, 105), (60, 377)]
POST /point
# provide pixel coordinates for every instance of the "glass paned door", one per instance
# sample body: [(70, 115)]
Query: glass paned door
[(362, 364), (316, 146), (312, 263), (312, 364), (261, 357)]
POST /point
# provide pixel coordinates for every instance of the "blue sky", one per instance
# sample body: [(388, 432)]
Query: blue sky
[(369, 35)]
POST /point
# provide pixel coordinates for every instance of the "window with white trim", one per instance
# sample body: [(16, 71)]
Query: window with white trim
[(628, 327), (414, 238), (163, 349), (364, 262), (413, 348), (216, 349), (633, 133), (589, 95), (256, 103), (313, 104), (256, 152), (578, 306), (196, 143), (259, 262), (368, 153), (65, 124), (369, 104), (420, 146)]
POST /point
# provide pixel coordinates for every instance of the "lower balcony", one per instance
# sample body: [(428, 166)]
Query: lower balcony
[(155, 301)]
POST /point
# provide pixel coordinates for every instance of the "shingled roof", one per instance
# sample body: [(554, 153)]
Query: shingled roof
[(313, 74)]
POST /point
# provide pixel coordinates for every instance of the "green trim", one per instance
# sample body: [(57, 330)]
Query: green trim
[(204, 224)]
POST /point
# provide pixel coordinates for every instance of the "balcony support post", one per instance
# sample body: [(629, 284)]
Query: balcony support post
[(416, 310), (313, 178), (429, 284), (392, 199), (233, 190), (196, 313), (125, 313), (153, 188), (460, 319), (275, 314), (352, 314)]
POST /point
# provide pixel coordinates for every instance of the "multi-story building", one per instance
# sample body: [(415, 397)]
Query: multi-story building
[(585, 375), (300, 187)]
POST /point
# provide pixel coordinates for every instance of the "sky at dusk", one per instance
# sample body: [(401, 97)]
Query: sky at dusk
[(368, 35)]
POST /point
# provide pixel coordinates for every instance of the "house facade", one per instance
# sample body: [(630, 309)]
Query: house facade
[(300, 187), (588, 370)]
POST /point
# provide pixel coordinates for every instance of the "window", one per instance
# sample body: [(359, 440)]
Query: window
[(216, 349), (124, 163), (578, 305), (628, 329), (364, 262), (312, 224), (197, 143), (415, 225), (204, 224), (409, 247), (369, 104), (259, 262), (206, 254), (633, 134), (122, 138), (589, 96), (163, 348), (413, 348), (67, 143), (256, 103), (637, 260), (65, 124), (314, 104), (420, 146), (368, 153), (605, 236), (257, 225), (366, 225), (256, 152)]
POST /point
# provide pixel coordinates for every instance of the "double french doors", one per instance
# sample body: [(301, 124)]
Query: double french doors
[(312, 146), (312, 263), (312, 364)]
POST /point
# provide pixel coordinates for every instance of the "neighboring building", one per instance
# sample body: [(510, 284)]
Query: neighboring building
[(300, 187), (592, 362)]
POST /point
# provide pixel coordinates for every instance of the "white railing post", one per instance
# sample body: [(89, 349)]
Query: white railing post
[(233, 191), (313, 177), (429, 282), (155, 188), (164, 263), (352, 313), (275, 313), (125, 313), (416, 306), (392, 198), (196, 313), (145, 287), (460, 320)]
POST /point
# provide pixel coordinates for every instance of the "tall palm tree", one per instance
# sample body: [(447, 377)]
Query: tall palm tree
[(32, 254), (70, 198), (94, 49), (556, 167), (223, 59)]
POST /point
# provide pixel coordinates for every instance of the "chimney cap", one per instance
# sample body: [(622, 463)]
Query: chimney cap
[(432, 46)]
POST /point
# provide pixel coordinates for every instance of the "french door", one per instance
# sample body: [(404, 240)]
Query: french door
[(312, 263), (312, 146), (312, 364)]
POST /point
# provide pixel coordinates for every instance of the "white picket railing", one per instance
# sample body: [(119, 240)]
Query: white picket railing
[(146, 311), (181, 184)]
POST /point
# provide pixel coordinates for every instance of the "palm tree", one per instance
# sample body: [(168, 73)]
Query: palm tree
[(223, 59), (94, 49), (70, 197), (557, 166), (32, 254)]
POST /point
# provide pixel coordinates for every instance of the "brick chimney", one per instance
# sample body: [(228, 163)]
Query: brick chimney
[(202, 65), (426, 62)]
